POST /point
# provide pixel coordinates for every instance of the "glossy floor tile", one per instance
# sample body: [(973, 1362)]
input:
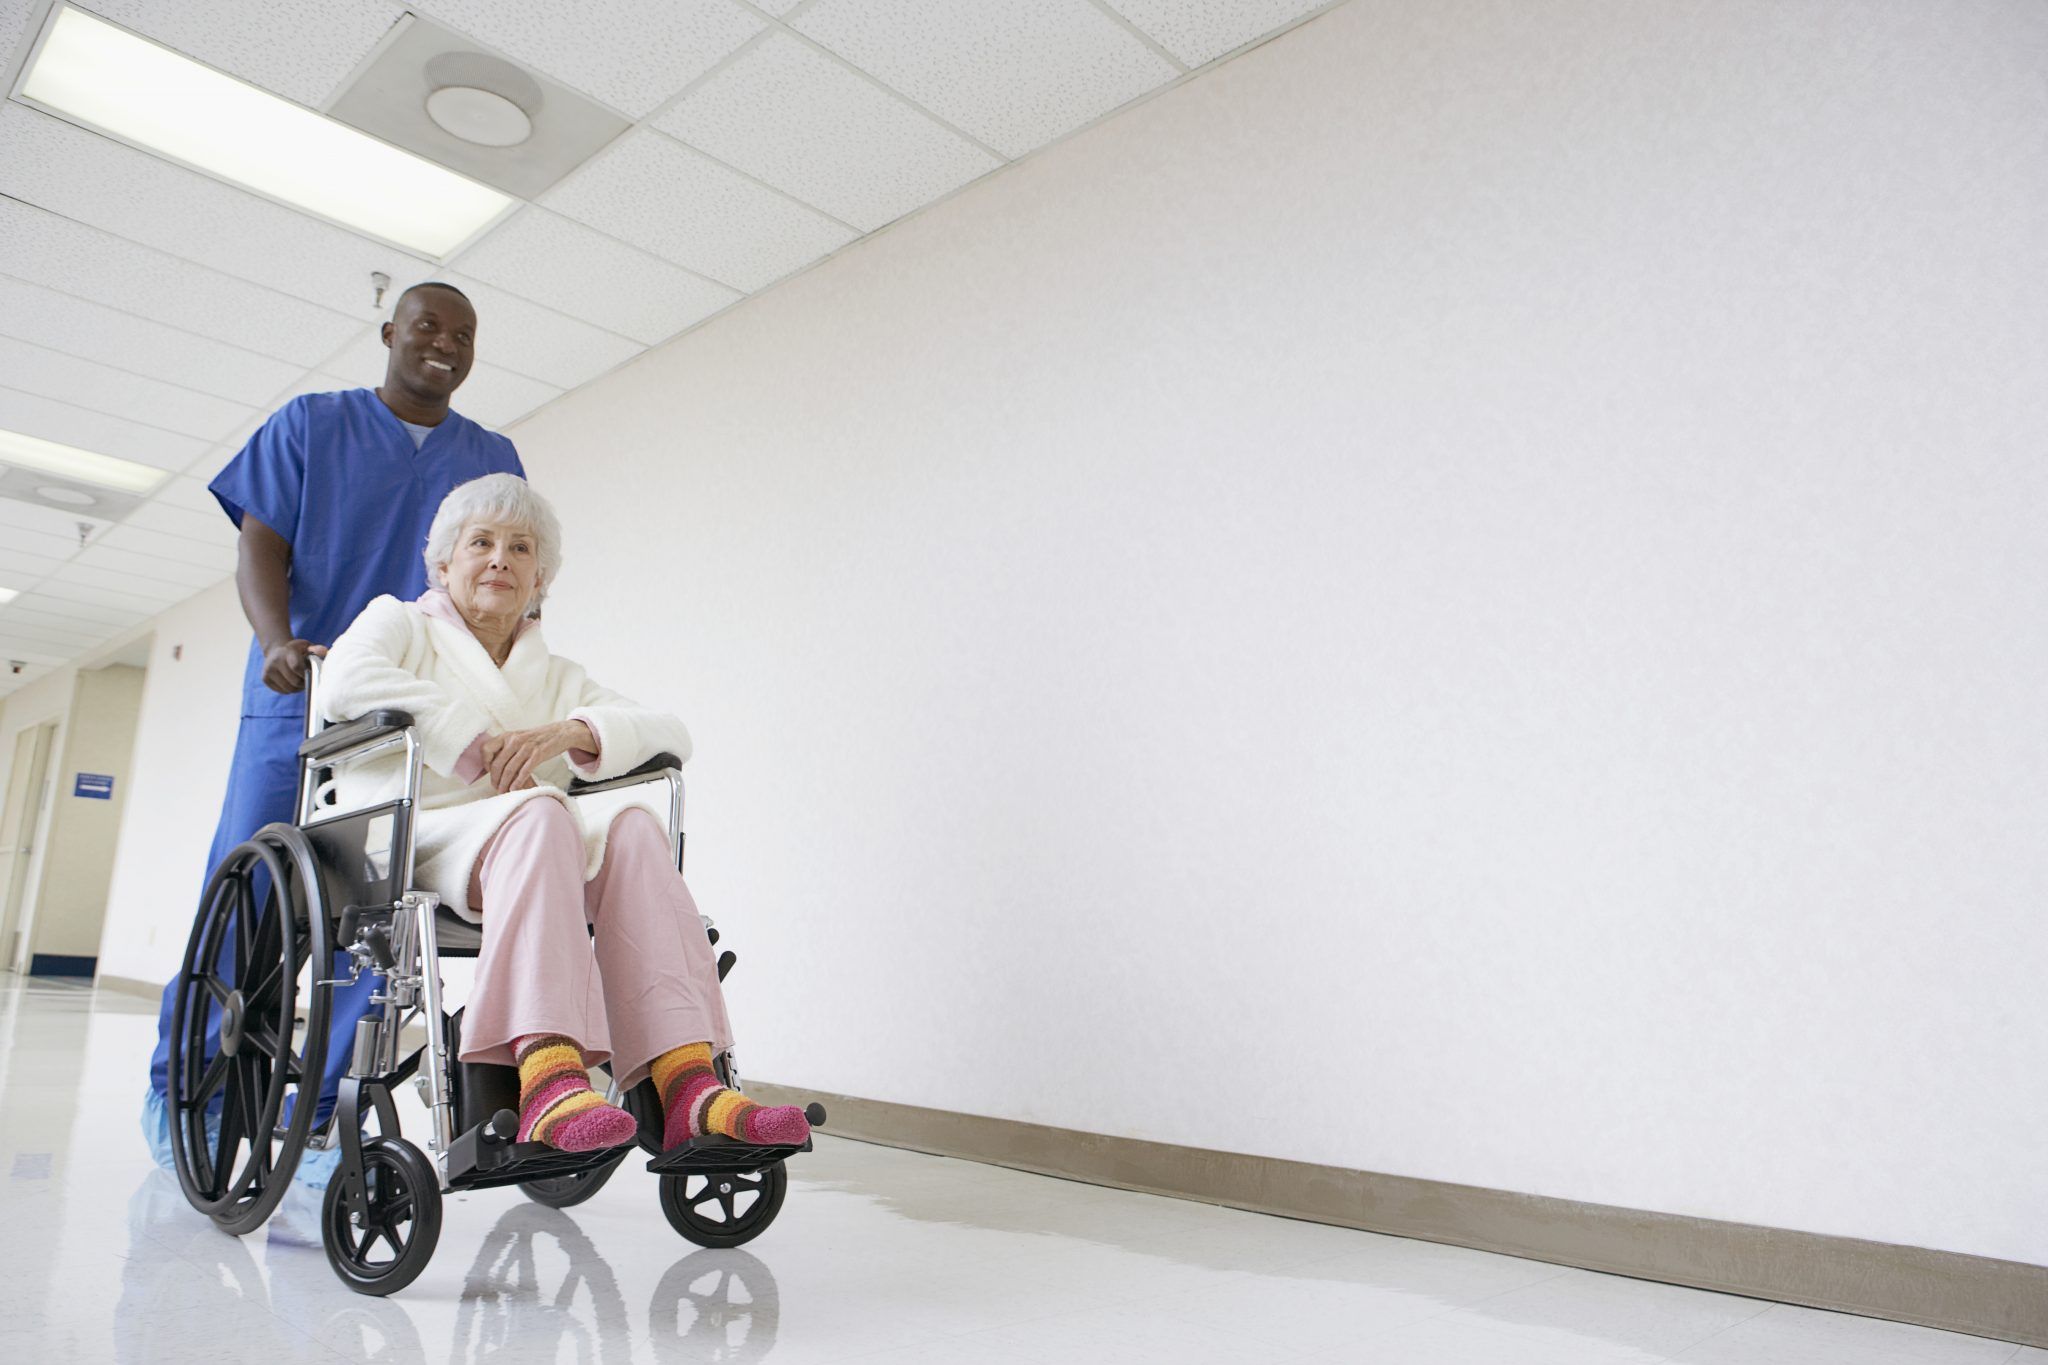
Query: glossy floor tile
[(878, 1255)]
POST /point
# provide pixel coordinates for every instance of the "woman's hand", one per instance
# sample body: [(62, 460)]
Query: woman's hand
[(510, 758)]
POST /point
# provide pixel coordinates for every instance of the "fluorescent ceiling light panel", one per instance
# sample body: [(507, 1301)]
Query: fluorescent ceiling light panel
[(106, 77), (86, 466)]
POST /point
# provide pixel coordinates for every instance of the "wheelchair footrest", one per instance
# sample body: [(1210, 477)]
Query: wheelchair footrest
[(712, 1155), (478, 1160)]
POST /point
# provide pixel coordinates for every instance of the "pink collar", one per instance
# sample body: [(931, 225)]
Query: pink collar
[(437, 603)]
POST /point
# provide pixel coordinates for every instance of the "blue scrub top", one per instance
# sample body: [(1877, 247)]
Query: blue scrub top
[(337, 476)]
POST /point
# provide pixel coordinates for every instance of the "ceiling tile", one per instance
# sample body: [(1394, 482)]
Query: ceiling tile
[(168, 574), (1199, 31), (74, 258), (20, 564), (1014, 73), (145, 199), (65, 627), (778, 8), (627, 53), (301, 49), (26, 525), (211, 463), (153, 580), (21, 650), (36, 553), (91, 331), (211, 528), (786, 113), (204, 554), (189, 494), (89, 430), (656, 193), (498, 397), (52, 599), (98, 587), (15, 17), (529, 339), (586, 274), (56, 634), (88, 384)]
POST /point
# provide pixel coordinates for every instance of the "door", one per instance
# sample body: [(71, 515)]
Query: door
[(28, 789)]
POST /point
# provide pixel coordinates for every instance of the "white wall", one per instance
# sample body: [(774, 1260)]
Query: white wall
[(1457, 597), (186, 736)]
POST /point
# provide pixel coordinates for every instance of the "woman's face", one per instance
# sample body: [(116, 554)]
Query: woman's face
[(494, 572)]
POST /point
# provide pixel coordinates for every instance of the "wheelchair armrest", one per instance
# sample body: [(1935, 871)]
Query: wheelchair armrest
[(653, 767), (336, 739)]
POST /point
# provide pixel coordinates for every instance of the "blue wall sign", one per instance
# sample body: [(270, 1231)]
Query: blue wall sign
[(97, 786)]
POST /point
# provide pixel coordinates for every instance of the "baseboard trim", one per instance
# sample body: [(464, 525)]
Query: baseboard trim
[(128, 985), (1984, 1297)]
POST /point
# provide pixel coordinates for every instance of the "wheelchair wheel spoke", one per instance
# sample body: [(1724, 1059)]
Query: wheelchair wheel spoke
[(245, 925), (216, 988), (261, 1037), (259, 995), (230, 1136), (210, 1083)]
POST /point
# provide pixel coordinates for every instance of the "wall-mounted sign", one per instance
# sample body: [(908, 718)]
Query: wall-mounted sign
[(96, 786)]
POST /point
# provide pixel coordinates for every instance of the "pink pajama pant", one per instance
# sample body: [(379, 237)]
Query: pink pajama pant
[(646, 983)]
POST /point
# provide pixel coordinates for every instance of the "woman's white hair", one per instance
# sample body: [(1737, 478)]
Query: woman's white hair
[(510, 501)]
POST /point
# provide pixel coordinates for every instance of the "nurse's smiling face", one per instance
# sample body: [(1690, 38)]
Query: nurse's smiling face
[(493, 574), (432, 337)]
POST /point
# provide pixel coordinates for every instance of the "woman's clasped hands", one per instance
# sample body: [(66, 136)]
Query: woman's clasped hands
[(510, 758)]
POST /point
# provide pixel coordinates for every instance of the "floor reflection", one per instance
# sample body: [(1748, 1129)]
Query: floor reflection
[(717, 1306), (537, 1288), (536, 1285)]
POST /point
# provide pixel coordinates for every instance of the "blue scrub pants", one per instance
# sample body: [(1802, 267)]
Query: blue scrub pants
[(263, 788)]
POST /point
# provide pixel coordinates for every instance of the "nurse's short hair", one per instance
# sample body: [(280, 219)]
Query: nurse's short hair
[(504, 498)]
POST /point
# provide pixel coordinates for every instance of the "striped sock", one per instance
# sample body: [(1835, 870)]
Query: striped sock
[(696, 1104), (557, 1105)]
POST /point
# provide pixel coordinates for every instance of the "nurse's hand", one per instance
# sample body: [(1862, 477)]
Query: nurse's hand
[(510, 758), (284, 666)]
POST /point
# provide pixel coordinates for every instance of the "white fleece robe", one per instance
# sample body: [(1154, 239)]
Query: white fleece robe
[(397, 657)]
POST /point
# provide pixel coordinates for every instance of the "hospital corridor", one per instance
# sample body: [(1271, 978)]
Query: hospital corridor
[(1007, 681)]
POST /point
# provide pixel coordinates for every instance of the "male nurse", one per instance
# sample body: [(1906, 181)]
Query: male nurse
[(334, 495)]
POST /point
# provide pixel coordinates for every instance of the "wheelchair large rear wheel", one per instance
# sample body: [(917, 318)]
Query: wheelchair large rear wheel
[(249, 1030)]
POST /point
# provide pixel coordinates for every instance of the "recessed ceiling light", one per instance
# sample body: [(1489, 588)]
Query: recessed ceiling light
[(479, 116), (110, 79), (70, 497), (86, 466), (8, 595)]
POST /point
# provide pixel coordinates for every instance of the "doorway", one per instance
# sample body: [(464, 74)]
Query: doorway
[(28, 796)]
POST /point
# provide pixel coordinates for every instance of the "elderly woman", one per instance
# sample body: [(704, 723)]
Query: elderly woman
[(504, 725)]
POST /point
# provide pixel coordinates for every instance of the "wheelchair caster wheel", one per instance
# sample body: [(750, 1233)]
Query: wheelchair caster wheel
[(724, 1208), (387, 1249), (567, 1191)]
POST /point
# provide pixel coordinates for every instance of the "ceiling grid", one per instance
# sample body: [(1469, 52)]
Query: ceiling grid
[(154, 313)]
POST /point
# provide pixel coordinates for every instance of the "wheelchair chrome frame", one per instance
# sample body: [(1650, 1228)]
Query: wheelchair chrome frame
[(412, 988)]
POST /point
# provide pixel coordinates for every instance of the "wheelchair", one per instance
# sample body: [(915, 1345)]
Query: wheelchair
[(305, 907)]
